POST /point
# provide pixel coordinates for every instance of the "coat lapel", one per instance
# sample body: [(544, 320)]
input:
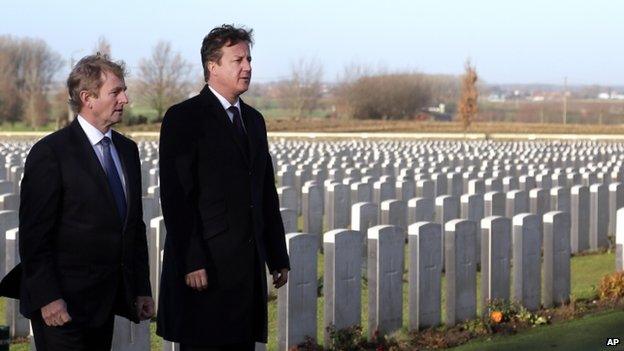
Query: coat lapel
[(216, 109), (252, 130), (89, 160)]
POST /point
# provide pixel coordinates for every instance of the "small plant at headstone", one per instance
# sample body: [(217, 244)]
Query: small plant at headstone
[(531, 318), (347, 339), (503, 311), (496, 316), (477, 327), (308, 345), (612, 287), (382, 342), (500, 311)]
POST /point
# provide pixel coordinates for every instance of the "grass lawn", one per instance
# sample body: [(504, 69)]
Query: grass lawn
[(586, 334)]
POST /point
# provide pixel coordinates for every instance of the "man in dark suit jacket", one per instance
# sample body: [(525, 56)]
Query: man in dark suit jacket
[(82, 238), (220, 207)]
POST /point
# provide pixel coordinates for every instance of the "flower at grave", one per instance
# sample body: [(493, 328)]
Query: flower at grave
[(496, 316)]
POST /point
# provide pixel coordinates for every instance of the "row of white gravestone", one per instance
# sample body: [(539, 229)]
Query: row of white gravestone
[(289, 170), (590, 209), (361, 155), (333, 198), (524, 277)]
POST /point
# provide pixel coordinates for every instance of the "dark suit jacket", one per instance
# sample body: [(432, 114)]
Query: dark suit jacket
[(72, 242), (221, 213)]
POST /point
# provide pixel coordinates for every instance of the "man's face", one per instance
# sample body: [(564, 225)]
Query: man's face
[(232, 75), (107, 107)]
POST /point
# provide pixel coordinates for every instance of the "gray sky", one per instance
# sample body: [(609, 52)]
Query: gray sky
[(509, 41)]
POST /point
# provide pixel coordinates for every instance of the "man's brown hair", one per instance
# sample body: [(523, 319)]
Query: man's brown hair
[(225, 35), (87, 75)]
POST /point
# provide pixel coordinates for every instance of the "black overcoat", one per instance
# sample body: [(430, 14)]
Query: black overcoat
[(221, 213), (72, 242)]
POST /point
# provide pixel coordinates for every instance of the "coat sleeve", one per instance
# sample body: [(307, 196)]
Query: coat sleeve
[(179, 191), (40, 203), (274, 236), (141, 259)]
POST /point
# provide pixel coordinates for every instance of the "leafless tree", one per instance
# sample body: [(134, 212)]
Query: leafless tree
[(303, 91), (102, 46), (163, 78), (10, 107), (469, 94), (27, 70)]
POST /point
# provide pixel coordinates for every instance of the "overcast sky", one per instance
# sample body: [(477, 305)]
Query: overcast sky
[(509, 41)]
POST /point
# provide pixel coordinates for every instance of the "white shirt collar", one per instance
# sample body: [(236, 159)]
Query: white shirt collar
[(94, 134), (224, 101)]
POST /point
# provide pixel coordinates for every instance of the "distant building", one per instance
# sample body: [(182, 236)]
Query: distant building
[(613, 95), (434, 114), (496, 98), (441, 108)]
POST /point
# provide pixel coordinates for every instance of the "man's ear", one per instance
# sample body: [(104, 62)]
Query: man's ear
[(85, 98), (211, 67)]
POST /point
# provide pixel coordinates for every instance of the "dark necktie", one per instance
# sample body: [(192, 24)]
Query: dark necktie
[(239, 129), (113, 179)]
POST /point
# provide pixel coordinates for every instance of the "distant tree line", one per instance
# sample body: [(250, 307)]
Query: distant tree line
[(359, 93), (32, 90)]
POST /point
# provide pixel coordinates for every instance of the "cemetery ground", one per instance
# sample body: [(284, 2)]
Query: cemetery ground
[(582, 333), (436, 181), (322, 125)]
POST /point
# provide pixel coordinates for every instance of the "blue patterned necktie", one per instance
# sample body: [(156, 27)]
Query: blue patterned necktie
[(113, 179)]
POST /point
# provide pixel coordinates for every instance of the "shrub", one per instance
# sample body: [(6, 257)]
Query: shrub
[(385, 96), (612, 286), (347, 339)]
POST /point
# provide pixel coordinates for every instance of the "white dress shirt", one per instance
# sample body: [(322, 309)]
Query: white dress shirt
[(95, 136), (226, 104)]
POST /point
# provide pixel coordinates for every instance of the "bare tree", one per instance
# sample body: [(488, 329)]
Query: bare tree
[(163, 79), (27, 70), (102, 46), (468, 108), (303, 91), (10, 106)]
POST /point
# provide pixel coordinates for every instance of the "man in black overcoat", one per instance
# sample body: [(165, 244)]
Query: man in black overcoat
[(220, 208), (82, 238)]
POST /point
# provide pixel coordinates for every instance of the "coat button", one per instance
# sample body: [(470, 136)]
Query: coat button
[(251, 206)]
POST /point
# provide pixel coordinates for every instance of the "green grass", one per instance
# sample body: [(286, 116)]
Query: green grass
[(587, 333), (286, 113), (25, 127), (586, 274)]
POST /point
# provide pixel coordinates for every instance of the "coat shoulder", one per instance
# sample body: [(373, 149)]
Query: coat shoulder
[(183, 112), (252, 111), (54, 141)]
